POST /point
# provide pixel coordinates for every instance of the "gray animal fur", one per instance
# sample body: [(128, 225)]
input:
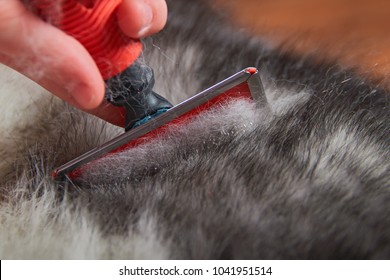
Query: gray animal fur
[(307, 178)]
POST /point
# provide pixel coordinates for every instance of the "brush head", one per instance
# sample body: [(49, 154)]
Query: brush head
[(246, 84)]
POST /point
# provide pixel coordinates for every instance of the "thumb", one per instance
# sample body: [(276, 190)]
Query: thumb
[(48, 56)]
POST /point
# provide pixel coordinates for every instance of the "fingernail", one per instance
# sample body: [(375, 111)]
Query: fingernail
[(84, 100), (84, 97), (147, 20)]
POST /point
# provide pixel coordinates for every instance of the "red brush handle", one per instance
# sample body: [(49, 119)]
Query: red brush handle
[(93, 23)]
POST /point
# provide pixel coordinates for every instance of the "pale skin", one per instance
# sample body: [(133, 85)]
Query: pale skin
[(74, 77)]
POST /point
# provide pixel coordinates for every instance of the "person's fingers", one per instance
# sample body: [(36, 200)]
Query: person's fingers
[(140, 18), (60, 63), (48, 56), (110, 113)]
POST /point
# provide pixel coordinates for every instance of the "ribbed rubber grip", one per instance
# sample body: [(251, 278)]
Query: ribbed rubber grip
[(93, 23)]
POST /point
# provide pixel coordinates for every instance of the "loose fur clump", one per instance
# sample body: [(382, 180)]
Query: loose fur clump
[(305, 177)]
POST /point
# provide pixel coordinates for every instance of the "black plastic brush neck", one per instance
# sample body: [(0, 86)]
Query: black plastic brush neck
[(132, 89)]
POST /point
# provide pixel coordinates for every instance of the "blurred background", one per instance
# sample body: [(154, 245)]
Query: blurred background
[(355, 33)]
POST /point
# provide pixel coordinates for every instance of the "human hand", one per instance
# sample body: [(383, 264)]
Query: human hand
[(59, 62)]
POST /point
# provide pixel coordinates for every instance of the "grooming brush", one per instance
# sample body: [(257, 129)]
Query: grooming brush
[(129, 83), (245, 84)]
